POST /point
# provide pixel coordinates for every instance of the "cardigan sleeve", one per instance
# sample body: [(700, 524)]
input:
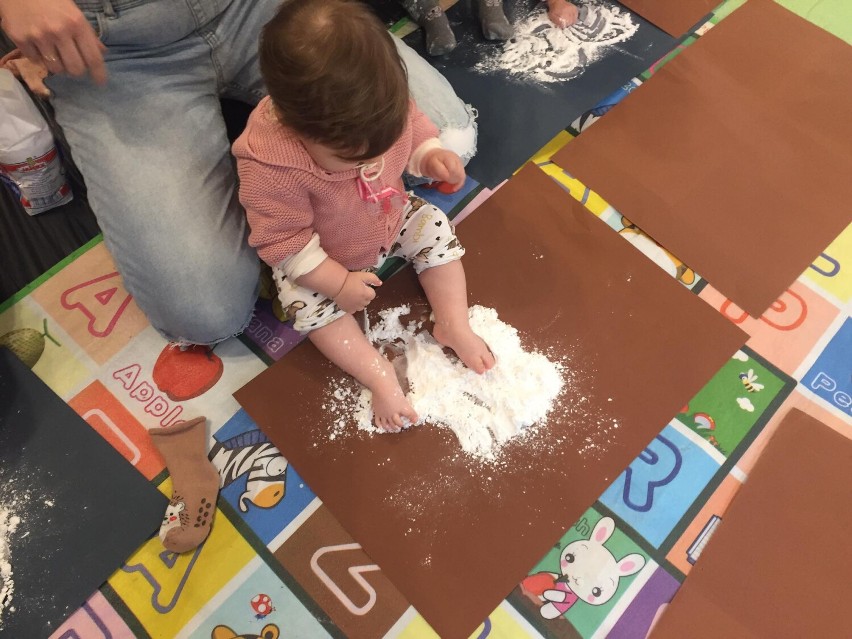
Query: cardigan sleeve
[(280, 219), (422, 128)]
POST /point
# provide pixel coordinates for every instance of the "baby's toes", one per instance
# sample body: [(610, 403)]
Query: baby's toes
[(410, 415)]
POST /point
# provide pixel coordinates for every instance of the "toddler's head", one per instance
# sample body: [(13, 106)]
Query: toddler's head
[(335, 77)]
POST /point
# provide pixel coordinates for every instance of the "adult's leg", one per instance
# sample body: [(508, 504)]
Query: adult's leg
[(429, 15), (153, 149), (437, 99)]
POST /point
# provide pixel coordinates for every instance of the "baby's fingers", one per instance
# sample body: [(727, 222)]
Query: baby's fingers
[(439, 170), (371, 279), (456, 171)]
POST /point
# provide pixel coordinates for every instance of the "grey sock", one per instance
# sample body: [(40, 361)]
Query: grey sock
[(495, 25), (429, 15), (439, 36)]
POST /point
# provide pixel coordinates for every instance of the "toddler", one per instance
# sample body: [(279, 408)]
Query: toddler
[(320, 166)]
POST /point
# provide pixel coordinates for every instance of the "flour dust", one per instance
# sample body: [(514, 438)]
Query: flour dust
[(20, 498), (484, 411), (9, 523), (542, 53)]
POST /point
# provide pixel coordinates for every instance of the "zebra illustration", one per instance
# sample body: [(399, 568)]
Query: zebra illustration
[(252, 454)]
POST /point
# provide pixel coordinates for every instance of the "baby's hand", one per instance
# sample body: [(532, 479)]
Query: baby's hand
[(357, 292), (443, 165), (561, 13)]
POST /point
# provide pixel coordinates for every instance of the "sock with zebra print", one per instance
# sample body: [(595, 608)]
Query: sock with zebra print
[(195, 484)]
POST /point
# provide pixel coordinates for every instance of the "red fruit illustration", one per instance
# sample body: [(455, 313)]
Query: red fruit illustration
[(444, 187), (184, 374), (538, 583)]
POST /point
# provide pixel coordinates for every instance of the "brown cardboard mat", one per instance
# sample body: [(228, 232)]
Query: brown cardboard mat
[(778, 565), (454, 534), (735, 155), (675, 17)]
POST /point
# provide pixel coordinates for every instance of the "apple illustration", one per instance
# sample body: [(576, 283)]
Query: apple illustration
[(184, 374)]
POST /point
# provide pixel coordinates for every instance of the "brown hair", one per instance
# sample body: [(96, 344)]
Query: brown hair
[(334, 76)]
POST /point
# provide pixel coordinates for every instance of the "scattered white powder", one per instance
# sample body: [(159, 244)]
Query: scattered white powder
[(543, 53), (20, 497), (8, 525), (484, 411), (461, 141)]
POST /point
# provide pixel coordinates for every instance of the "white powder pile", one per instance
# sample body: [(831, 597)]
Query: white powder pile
[(543, 53), (484, 411), (8, 525), (461, 141)]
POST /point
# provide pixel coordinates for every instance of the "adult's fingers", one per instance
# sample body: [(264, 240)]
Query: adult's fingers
[(30, 50), (70, 56), (49, 56), (92, 50)]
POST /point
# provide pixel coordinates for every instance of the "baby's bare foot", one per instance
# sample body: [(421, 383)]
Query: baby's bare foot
[(470, 347), (390, 405)]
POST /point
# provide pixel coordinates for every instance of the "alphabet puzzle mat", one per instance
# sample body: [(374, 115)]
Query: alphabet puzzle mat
[(278, 564)]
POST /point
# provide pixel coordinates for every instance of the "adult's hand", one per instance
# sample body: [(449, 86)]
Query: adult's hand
[(56, 33), (32, 73), (562, 13)]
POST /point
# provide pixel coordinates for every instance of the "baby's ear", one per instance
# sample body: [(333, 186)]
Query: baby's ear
[(630, 565), (603, 530)]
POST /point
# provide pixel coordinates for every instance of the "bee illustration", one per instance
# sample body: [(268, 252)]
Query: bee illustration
[(749, 380)]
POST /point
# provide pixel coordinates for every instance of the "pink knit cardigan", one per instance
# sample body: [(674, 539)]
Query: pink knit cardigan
[(288, 197)]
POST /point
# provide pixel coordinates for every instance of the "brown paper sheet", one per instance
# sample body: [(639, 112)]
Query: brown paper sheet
[(735, 155), (456, 535), (675, 17), (778, 565)]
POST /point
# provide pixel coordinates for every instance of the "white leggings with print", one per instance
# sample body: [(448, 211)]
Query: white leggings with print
[(426, 239)]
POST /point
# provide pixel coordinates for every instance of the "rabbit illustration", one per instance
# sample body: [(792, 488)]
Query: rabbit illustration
[(589, 572)]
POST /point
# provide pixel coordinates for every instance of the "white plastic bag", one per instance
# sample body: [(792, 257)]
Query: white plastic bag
[(29, 161)]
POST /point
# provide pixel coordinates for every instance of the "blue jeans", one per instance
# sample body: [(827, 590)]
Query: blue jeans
[(153, 149)]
